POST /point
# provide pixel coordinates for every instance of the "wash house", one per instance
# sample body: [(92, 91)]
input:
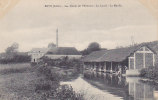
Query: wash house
[(123, 60)]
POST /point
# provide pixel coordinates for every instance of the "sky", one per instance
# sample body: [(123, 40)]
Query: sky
[(33, 25)]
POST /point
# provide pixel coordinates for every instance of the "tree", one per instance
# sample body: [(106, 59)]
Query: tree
[(51, 45), (94, 46), (12, 49)]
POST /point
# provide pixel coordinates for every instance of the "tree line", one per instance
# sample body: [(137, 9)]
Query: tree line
[(94, 46), (12, 55)]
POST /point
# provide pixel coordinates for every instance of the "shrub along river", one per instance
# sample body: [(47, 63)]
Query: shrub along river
[(101, 86)]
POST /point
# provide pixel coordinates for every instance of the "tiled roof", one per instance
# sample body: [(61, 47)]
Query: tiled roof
[(115, 55), (39, 50)]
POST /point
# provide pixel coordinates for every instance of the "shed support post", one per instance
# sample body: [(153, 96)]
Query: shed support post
[(84, 66), (134, 61), (105, 67), (95, 66), (111, 66), (153, 59), (99, 66), (91, 65), (129, 63)]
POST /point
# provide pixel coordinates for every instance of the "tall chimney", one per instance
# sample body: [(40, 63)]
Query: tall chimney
[(57, 38)]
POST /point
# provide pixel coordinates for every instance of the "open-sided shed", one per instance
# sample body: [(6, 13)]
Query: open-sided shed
[(127, 60)]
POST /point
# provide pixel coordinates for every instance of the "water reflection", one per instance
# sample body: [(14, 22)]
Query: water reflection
[(141, 91), (103, 86), (113, 84)]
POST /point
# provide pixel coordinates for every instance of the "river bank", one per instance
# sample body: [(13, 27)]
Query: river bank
[(40, 82), (25, 82), (149, 75)]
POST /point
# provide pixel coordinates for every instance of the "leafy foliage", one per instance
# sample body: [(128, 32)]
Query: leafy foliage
[(150, 72), (65, 62), (51, 45), (12, 49), (94, 46), (49, 86), (65, 92), (16, 59)]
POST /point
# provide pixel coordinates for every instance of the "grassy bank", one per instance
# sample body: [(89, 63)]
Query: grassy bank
[(50, 83), (13, 68), (21, 81)]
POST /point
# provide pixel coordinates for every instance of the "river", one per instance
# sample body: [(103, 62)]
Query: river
[(101, 86)]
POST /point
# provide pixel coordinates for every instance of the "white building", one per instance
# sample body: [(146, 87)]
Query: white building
[(54, 53), (37, 53)]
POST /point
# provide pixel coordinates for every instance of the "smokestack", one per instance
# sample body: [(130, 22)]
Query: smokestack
[(57, 38)]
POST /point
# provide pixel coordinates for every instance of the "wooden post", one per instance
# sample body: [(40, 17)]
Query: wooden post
[(134, 61), (99, 66), (129, 63), (144, 57), (111, 66), (94, 66), (153, 59), (83, 65), (105, 67)]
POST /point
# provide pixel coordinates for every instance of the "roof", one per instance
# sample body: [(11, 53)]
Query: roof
[(94, 55), (39, 50), (63, 51), (115, 55)]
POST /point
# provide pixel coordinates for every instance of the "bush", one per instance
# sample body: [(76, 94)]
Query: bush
[(63, 63), (13, 70), (65, 92), (49, 88), (16, 59), (45, 71), (150, 72)]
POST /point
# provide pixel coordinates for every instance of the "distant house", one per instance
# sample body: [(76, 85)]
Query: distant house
[(37, 53), (123, 60), (60, 52), (54, 53)]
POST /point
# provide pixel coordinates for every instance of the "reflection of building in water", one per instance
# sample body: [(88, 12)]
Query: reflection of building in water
[(141, 91), (113, 84), (129, 88)]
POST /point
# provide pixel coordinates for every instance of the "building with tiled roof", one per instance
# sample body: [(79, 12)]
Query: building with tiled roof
[(127, 60)]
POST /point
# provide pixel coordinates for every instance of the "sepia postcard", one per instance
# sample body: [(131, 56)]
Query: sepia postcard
[(78, 49)]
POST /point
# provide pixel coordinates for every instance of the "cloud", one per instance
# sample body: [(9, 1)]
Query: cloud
[(32, 25)]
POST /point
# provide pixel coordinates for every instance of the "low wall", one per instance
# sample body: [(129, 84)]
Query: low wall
[(61, 56), (132, 72)]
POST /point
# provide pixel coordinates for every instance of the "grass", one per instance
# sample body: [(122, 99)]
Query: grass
[(21, 82), (15, 81), (15, 66), (13, 70)]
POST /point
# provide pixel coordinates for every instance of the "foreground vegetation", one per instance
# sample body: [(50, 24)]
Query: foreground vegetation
[(150, 73), (16, 58), (40, 82)]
